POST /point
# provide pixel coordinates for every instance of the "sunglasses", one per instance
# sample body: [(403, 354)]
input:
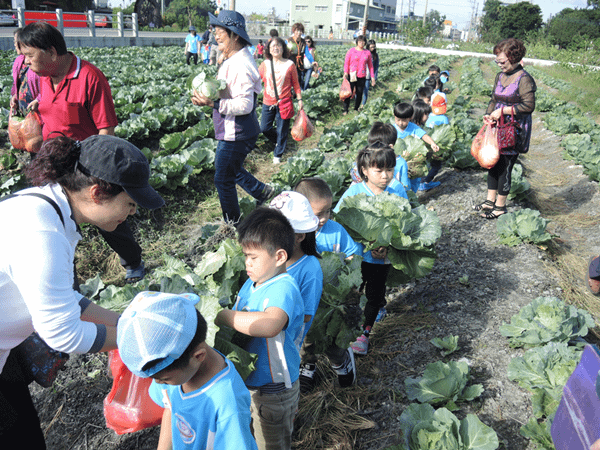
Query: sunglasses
[(501, 63)]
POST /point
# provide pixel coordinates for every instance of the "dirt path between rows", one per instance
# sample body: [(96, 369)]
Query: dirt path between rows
[(476, 285)]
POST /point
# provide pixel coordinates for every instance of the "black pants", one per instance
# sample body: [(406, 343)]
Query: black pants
[(499, 176), (122, 241), (189, 55), (19, 422), (436, 165), (358, 88), (374, 277)]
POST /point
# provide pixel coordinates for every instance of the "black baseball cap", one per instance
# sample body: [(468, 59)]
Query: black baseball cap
[(119, 162)]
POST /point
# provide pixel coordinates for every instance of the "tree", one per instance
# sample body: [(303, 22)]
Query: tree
[(574, 28), (419, 34), (594, 4), (189, 12), (518, 19), (490, 21)]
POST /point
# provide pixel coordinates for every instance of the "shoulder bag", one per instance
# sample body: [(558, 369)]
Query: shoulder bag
[(39, 362), (285, 105)]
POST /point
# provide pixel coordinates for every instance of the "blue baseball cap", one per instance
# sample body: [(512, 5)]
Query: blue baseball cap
[(156, 326)]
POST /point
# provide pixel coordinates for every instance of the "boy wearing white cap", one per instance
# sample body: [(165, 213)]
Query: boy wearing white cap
[(207, 406), (270, 309)]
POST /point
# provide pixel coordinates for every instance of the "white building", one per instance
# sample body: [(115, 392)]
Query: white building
[(344, 14)]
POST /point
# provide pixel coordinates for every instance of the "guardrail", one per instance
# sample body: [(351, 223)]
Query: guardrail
[(90, 20), (261, 29)]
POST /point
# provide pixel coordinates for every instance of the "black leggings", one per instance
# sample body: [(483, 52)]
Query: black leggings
[(374, 276), (358, 87), (19, 421), (499, 176)]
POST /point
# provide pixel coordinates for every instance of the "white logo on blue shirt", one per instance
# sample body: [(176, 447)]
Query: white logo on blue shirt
[(187, 433)]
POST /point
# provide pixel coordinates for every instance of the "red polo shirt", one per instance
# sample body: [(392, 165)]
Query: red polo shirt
[(81, 105)]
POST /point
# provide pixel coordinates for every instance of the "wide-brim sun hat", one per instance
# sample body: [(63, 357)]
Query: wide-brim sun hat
[(296, 208), (231, 20), (156, 327), (119, 162)]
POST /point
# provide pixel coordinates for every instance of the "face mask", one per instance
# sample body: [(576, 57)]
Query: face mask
[(443, 79)]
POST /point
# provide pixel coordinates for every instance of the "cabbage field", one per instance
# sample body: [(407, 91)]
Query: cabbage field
[(475, 307)]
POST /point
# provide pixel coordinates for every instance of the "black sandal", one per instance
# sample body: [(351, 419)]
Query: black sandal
[(492, 213), (483, 205)]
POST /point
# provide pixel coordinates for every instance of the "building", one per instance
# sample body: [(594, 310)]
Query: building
[(344, 14)]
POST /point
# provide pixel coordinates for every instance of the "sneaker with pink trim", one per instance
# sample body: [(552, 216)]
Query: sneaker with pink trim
[(361, 345)]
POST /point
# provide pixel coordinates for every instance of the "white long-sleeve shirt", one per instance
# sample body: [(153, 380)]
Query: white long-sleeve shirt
[(36, 275)]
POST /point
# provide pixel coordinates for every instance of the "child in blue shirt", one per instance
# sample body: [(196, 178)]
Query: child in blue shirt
[(270, 310), (403, 113), (192, 41), (206, 405), (385, 133), (304, 266), (437, 117), (330, 237), (376, 168)]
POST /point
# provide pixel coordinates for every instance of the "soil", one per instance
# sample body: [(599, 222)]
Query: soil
[(476, 285)]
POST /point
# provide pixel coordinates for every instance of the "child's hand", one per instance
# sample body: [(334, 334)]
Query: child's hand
[(379, 253), (435, 148)]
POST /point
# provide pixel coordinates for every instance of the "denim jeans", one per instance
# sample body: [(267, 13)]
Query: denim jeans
[(229, 170), (366, 91), (278, 135), (307, 77)]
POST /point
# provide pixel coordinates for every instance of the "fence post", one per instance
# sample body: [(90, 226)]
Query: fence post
[(120, 24), (134, 25), (21, 17), (91, 17), (59, 21)]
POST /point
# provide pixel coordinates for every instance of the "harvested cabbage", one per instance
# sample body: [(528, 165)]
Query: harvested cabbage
[(207, 85)]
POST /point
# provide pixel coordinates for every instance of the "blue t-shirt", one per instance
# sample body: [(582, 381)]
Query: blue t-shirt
[(333, 237), (394, 188), (401, 172), (217, 415), (308, 274), (436, 119), (411, 130), (193, 41), (278, 357)]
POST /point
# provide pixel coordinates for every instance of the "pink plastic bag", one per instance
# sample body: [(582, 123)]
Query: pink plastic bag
[(128, 407)]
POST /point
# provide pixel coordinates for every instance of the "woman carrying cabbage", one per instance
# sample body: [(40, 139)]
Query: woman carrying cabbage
[(234, 114)]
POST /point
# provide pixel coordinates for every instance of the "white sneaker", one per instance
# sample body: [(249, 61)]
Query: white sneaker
[(276, 160)]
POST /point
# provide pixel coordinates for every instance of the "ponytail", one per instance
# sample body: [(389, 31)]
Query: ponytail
[(309, 244)]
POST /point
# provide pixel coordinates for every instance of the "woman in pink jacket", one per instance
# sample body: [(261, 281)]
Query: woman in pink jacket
[(355, 70), (26, 83)]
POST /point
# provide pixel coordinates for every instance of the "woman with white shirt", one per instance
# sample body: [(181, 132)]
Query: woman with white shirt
[(234, 114), (100, 181)]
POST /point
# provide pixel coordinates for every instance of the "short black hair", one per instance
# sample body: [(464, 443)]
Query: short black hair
[(183, 360), (285, 51), (403, 110), (420, 109), (433, 82), (268, 229), (377, 155), (273, 32), (434, 68), (424, 92), (314, 188), (44, 36), (382, 132)]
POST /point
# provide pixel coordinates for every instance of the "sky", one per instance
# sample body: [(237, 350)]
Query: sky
[(458, 11)]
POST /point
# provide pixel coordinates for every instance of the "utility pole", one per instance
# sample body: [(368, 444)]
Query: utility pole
[(401, 16), (232, 5), (425, 13), (365, 19)]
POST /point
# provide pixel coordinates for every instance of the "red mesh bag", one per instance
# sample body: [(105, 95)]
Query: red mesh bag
[(128, 407)]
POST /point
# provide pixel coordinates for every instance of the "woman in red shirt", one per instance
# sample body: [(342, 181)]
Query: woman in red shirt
[(277, 97), (355, 70)]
